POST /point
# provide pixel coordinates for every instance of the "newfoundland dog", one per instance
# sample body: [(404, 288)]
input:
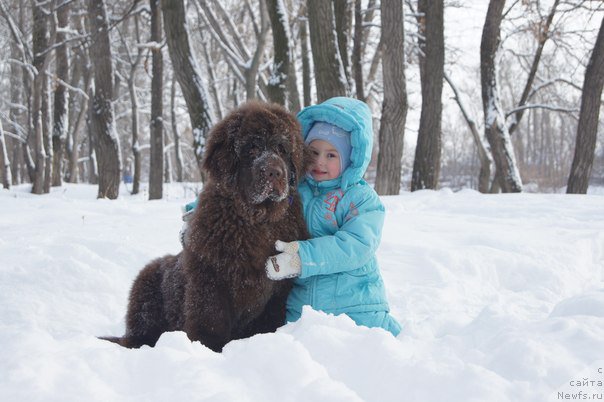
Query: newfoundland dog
[(216, 289)]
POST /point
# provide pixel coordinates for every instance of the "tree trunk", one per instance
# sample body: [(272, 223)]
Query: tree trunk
[(175, 133), (16, 117), (495, 125), (28, 160), (168, 161), (357, 56), (587, 131), (107, 146), (40, 43), (212, 80), (282, 87), (47, 130), (187, 74), (251, 72), (484, 156), (136, 151), (157, 121), (342, 13), (81, 71), (135, 171), (426, 166), (78, 127), (61, 101), (91, 168), (394, 107), (306, 80), (5, 174), (330, 78)]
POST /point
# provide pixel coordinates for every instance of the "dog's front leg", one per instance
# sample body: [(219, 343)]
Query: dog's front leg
[(273, 315), (208, 317)]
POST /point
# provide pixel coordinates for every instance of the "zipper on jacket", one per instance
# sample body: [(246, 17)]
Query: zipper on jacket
[(313, 201), (307, 214)]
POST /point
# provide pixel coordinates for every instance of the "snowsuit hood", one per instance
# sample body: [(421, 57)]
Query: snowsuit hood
[(353, 116)]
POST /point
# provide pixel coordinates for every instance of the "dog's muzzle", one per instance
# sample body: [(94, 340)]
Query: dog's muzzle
[(271, 179)]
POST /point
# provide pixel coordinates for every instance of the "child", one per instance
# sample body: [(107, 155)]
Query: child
[(336, 271)]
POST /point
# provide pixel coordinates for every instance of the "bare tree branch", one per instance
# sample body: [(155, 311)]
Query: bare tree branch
[(541, 106)]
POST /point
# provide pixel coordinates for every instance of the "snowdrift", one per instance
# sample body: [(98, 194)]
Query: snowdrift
[(501, 298)]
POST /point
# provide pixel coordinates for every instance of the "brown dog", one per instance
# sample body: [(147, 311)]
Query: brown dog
[(216, 289)]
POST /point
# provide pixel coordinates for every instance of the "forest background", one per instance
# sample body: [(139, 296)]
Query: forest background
[(491, 95)]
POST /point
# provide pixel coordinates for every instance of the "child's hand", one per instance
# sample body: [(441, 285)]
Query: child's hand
[(286, 264)]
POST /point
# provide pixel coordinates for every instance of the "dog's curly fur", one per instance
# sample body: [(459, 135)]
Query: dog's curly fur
[(216, 289)]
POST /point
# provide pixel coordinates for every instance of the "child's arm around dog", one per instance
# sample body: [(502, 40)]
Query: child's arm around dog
[(360, 215)]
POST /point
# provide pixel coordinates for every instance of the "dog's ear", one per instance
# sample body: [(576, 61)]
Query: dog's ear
[(301, 156), (290, 125), (220, 159), (307, 157), (293, 174)]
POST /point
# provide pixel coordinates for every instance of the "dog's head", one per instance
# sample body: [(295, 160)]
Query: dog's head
[(256, 153)]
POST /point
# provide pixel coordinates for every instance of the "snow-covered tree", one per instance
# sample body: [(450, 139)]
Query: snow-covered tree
[(5, 174), (61, 95), (187, 73), (330, 78), (102, 121), (495, 126), (156, 168), (426, 166), (587, 131), (394, 105), (283, 83), (39, 113)]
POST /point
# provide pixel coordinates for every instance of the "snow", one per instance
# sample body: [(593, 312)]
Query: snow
[(501, 298)]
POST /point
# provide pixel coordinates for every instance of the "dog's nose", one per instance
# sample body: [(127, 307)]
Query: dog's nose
[(274, 172)]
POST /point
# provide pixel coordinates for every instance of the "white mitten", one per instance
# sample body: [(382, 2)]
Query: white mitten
[(286, 264)]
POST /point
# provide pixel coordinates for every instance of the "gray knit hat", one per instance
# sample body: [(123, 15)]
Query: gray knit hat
[(337, 137)]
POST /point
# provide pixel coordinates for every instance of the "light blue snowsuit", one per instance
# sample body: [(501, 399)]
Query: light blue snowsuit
[(340, 273)]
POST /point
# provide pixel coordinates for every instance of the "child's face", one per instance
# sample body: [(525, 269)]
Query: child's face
[(326, 161)]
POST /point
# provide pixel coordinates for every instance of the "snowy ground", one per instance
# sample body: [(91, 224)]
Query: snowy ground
[(501, 298)]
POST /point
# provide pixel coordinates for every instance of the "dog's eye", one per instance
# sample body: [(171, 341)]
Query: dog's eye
[(282, 149), (253, 150)]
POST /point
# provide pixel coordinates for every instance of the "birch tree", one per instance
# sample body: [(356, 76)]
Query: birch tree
[(394, 106)]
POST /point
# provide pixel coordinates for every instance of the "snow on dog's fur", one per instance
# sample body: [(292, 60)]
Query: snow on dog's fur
[(216, 289)]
